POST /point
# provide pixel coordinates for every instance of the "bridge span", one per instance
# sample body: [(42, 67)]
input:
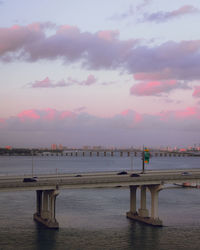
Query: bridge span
[(47, 188)]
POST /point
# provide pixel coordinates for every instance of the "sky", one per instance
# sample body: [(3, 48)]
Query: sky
[(110, 73)]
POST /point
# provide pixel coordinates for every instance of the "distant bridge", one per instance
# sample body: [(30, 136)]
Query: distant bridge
[(96, 152), (47, 187), (113, 153)]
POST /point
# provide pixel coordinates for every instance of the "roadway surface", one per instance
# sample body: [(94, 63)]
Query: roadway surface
[(99, 179)]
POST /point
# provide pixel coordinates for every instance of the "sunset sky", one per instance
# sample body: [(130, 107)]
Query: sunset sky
[(110, 73)]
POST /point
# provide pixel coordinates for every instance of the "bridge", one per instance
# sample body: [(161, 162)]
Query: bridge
[(113, 153), (47, 188)]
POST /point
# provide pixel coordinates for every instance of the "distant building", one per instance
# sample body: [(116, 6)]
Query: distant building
[(8, 147), (53, 146), (96, 147), (86, 147), (182, 150)]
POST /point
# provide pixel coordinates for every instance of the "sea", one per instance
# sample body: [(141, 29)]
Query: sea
[(96, 218)]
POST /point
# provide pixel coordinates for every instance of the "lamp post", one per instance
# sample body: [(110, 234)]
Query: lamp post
[(145, 158), (131, 163), (32, 161)]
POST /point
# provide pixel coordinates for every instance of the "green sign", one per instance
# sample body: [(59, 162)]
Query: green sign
[(146, 156)]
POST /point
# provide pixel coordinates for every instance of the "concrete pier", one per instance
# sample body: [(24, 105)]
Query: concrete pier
[(143, 214), (143, 211), (45, 208)]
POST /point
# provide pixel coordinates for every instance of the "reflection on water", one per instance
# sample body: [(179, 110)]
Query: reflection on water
[(95, 218)]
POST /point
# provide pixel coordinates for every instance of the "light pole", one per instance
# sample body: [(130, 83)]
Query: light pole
[(131, 163), (32, 161), (143, 160)]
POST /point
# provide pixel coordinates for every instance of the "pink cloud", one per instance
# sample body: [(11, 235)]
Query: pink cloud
[(28, 114), (164, 74), (138, 117), (2, 120), (14, 38), (108, 35), (68, 43), (154, 88), (47, 83), (50, 114), (189, 113), (133, 115), (66, 114), (126, 128), (125, 112), (196, 92), (89, 81)]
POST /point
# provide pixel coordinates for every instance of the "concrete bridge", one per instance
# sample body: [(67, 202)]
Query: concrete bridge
[(113, 153), (47, 188)]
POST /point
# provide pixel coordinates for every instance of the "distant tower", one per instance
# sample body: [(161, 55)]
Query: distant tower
[(53, 147)]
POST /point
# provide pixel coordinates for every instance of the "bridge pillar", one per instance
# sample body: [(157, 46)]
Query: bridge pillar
[(143, 213), (133, 190), (45, 208), (154, 189)]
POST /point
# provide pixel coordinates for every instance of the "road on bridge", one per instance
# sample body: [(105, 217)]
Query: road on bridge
[(99, 179)]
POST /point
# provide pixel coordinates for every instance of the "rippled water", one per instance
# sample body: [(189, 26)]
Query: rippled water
[(95, 218)]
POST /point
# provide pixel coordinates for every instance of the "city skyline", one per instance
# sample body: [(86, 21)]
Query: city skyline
[(99, 73)]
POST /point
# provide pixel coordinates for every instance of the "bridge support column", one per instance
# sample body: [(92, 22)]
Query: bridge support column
[(45, 208), (133, 190), (154, 189), (143, 214)]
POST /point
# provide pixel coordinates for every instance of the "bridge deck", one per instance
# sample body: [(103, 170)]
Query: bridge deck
[(94, 180)]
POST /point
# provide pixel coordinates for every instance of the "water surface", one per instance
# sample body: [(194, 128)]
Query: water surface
[(95, 218)]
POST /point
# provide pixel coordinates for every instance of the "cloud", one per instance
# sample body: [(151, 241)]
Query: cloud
[(168, 61), (156, 87), (47, 83), (162, 16), (129, 127), (189, 114), (131, 11), (101, 50), (48, 114), (143, 4), (80, 109), (89, 81), (124, 15), (30, 43), (28, 114), (196, 92)]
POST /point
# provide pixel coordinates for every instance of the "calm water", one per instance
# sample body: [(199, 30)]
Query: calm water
[(95, 218)]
